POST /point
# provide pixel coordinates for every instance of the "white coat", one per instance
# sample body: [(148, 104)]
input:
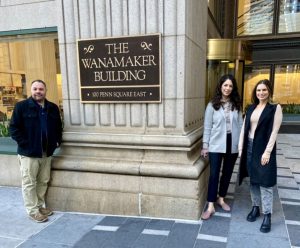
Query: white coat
[(215, 132)]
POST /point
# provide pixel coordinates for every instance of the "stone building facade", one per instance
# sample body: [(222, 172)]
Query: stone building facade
[(138, 159)]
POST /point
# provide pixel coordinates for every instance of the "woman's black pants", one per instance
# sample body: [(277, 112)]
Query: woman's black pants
[(215, 160)]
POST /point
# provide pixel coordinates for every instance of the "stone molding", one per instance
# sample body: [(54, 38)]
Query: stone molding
[(161, 141)]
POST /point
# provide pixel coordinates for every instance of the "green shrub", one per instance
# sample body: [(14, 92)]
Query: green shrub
[(291, 108), (4, 131)]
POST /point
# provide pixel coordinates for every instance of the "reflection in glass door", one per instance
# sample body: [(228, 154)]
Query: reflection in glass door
[(216, 69)]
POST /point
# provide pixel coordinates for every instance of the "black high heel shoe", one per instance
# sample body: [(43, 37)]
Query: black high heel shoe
[(266, 224), (253, 214)]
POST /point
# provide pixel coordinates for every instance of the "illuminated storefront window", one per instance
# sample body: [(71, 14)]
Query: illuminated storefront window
[(21, 62), (287, 84), (253, 74)]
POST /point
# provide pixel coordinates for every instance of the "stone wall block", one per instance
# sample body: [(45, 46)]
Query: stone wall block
[(169, 187), (89, 114), (170, 207), (181, 69), (85, 19), (172, 170), (202, 36), (19, 2), (60, 21), (75, 112), (153, 115), (117, 17), (134, 10), (92, 201), (71, 62), (64, 74), (173, 119), (137, 115), (202, 87), (104, 115), (29, 16), (173, 156), (203, 186), (152, 16), (96, 152), (68, 21), (92, 18), (192, 113), (194, 55), (181, 16), (139, 138), (100, 19), (103, 166), (170, 110), (170, 18), (120, 114), (196, 17), (76, 16), (95, 181), (10, 174), (169, 67)]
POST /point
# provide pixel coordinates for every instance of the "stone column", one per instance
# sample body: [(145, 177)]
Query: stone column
[(134, 159)]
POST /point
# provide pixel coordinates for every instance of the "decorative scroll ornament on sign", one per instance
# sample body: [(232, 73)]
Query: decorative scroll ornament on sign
[(146, 46), (88, 49)]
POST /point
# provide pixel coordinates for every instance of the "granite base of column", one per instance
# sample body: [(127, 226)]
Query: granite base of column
[(137, 182)]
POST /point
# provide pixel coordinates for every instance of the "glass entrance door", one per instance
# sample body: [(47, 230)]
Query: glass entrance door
[(226, 56), (217, 68)]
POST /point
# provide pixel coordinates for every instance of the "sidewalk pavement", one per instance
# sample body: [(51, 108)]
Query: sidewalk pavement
[(230, 230)]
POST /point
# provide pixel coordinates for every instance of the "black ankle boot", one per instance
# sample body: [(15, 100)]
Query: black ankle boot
[(253, 214), (266, 224)]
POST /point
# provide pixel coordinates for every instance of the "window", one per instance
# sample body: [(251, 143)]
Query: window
[(267, 17), (255, 17), (289, 17), (21, 62), (253, 74), (287, 84)]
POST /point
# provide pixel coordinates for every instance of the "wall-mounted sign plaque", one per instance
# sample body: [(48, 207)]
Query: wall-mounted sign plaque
[(123, 69)]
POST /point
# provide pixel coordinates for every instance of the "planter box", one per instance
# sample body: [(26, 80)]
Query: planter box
[(291, 118)]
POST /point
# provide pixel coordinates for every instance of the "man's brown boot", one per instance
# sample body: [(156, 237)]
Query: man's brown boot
[(45, 211), (38, 217)]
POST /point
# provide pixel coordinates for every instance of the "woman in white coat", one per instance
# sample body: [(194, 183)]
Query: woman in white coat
[(222, 125)]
